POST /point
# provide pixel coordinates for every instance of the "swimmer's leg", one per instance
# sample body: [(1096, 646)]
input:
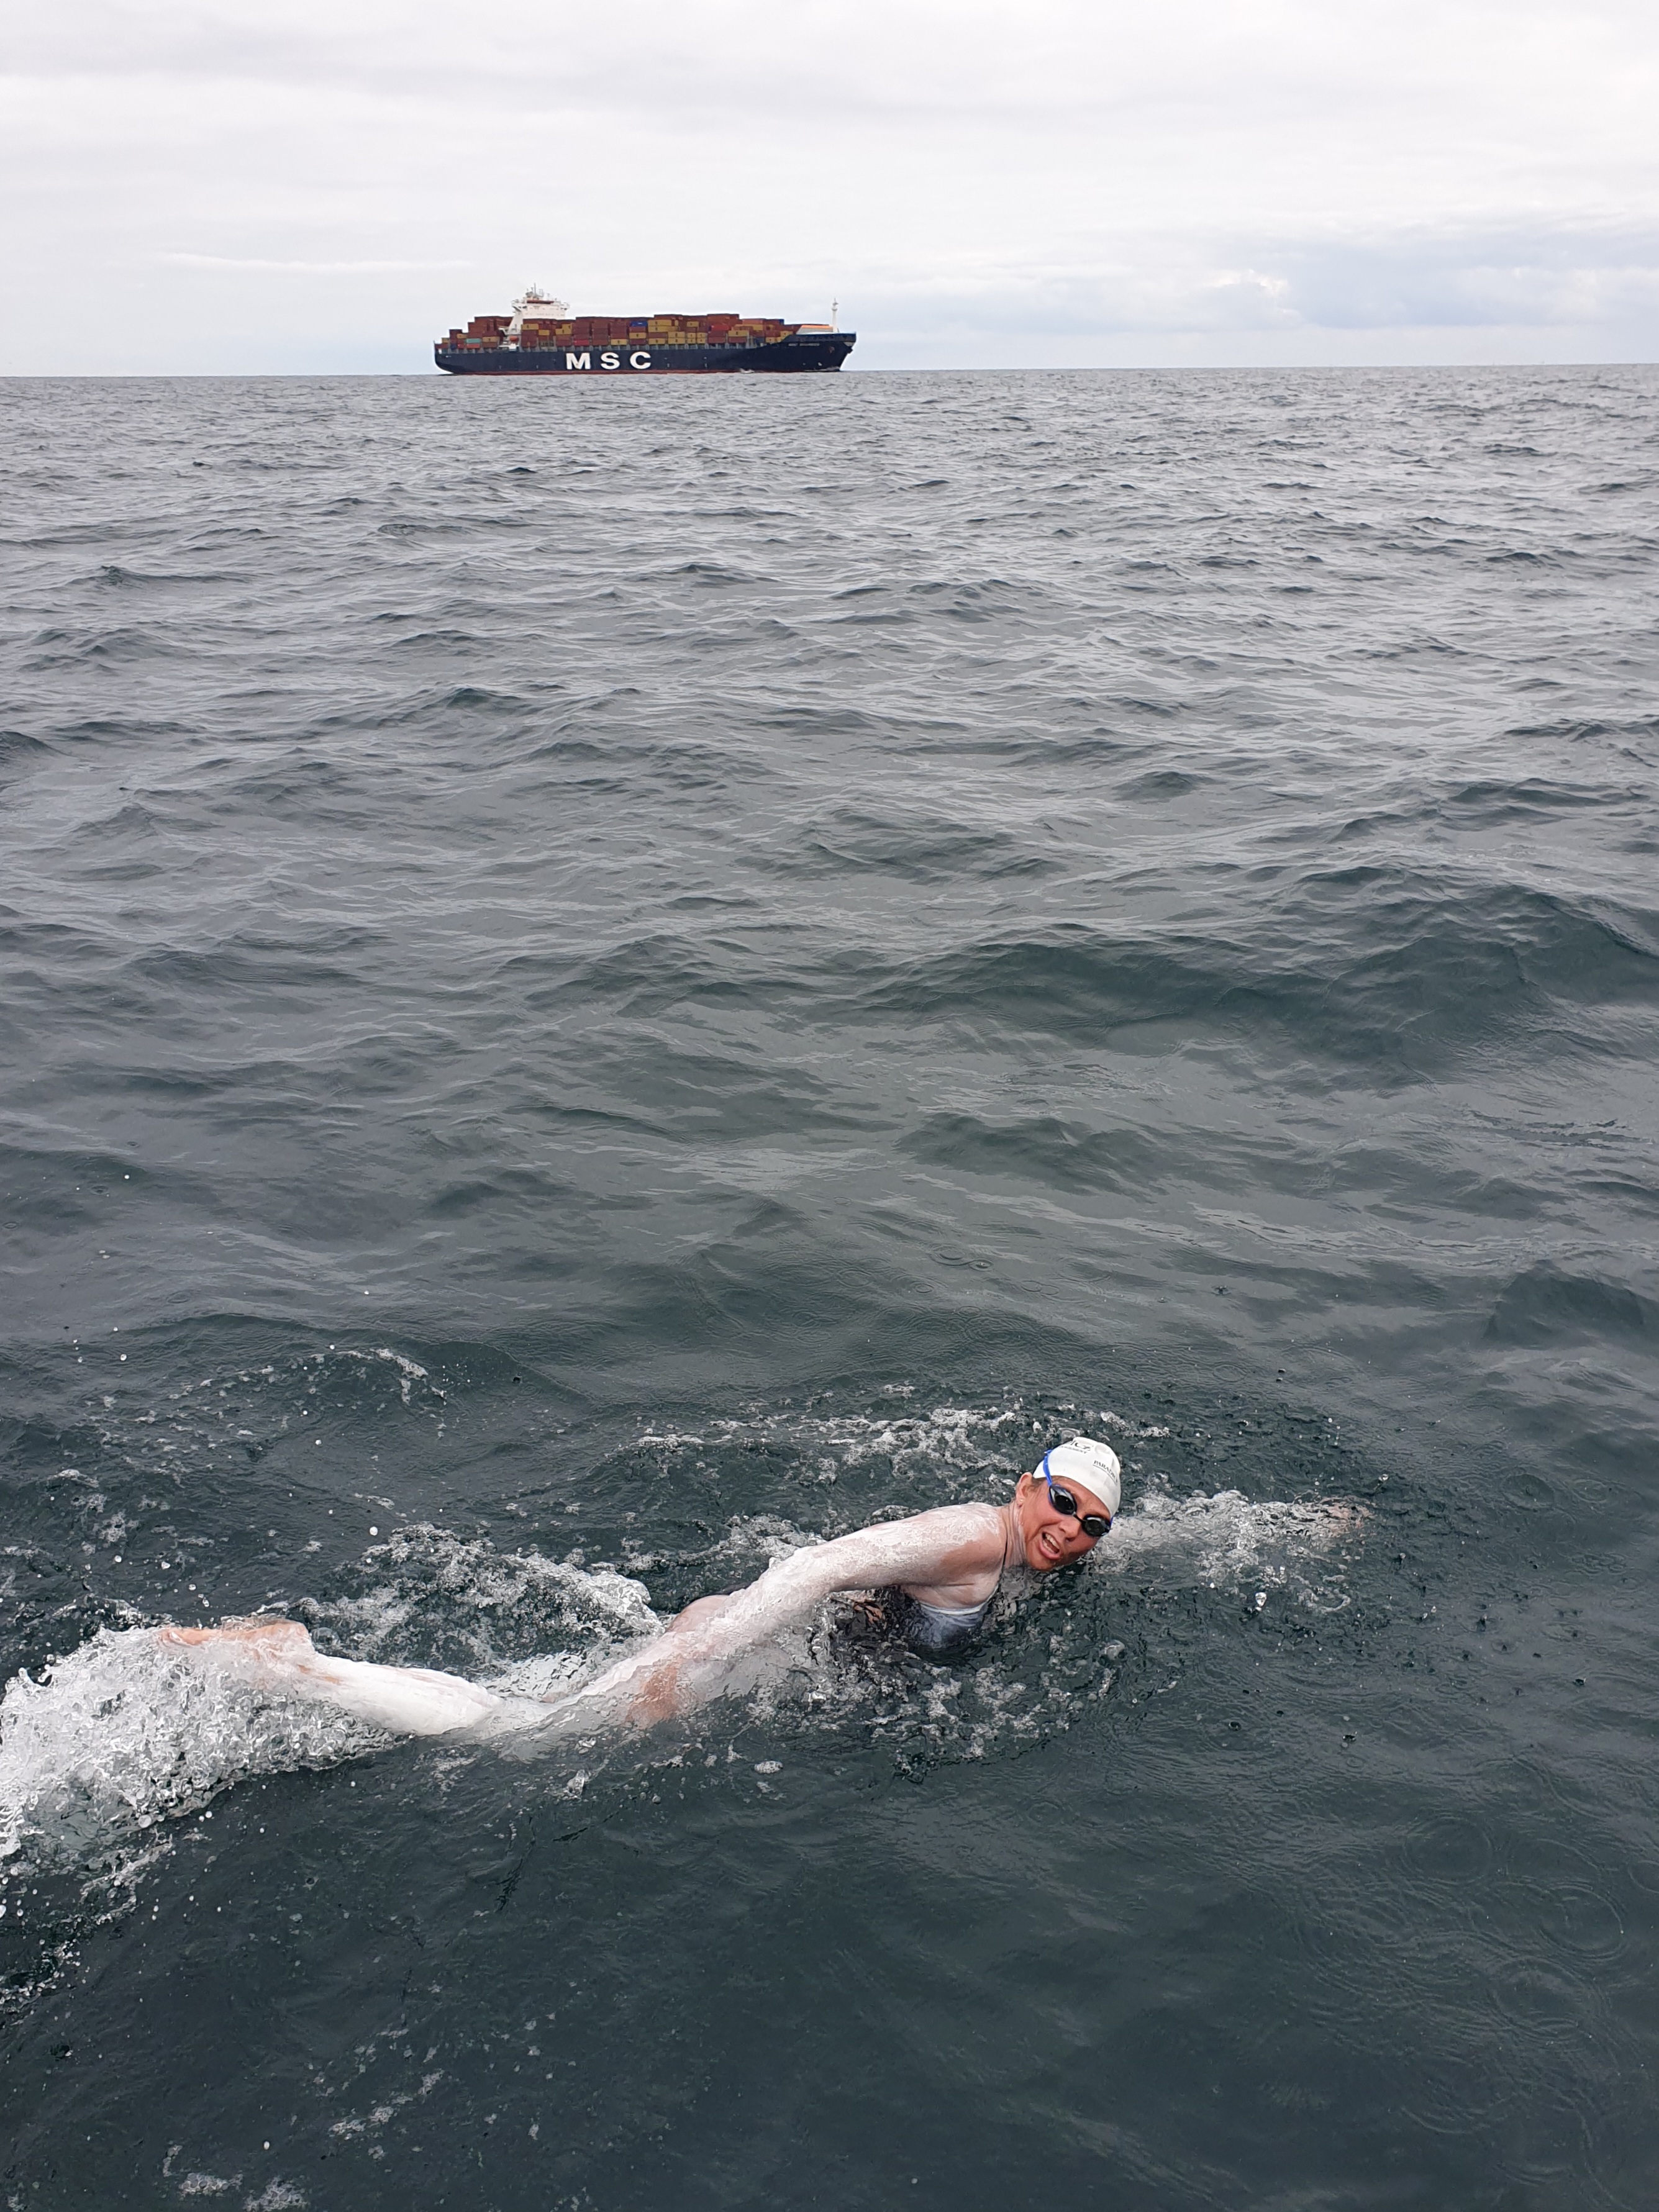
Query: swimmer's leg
[(700, 1608), (279, 1655), (255, 1632), (644, 1686)]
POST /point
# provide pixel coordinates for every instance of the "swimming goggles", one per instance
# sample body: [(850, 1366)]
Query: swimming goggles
[(1093, 1525)]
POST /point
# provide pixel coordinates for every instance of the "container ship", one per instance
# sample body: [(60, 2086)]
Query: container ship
[(542, 338)]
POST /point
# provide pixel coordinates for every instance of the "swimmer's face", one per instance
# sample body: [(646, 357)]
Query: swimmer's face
[(1053, 1539)]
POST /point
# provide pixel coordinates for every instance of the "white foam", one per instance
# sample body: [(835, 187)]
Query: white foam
[(124, 1734), (494, 1609), (409, 1371), (1222, 1540)]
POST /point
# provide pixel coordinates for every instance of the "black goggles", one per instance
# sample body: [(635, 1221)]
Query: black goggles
[(1093, 1525)]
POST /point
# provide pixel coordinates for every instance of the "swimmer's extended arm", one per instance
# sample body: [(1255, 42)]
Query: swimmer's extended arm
[(958, 1544), (957, 1549)]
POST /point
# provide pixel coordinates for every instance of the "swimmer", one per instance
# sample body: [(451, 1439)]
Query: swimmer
[(940, 1570)]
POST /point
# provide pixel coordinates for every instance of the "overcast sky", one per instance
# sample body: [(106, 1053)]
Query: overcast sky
[(314, 184)]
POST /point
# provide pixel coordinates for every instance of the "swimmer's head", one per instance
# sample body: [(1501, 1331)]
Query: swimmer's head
[(1077, 1483)]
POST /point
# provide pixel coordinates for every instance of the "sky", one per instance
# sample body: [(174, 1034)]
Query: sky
[(326, 185)]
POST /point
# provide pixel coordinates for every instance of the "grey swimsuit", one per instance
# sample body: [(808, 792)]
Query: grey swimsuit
[(937, 1631)]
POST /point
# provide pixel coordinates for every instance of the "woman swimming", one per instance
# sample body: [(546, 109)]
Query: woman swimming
[(942, 1567)]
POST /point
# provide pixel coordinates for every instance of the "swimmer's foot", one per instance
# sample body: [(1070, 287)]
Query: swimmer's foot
[(1343, 1517), (258, 1631)]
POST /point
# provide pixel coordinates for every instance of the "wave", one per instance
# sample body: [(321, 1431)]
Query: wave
[(1546, 1304), (1366, 968)]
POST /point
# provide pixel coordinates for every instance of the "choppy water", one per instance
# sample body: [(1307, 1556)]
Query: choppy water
[(598, 983)]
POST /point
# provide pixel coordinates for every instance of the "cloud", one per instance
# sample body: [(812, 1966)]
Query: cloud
[(1416, 278), (1065, 182), (303, 268)]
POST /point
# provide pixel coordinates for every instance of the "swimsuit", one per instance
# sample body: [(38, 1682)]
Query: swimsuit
[(936, 1631)]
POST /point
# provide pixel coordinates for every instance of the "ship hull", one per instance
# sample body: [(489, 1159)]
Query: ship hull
[(790, 356)]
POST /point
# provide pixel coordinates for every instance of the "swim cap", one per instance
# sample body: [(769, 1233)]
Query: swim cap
[(1093, 1467)]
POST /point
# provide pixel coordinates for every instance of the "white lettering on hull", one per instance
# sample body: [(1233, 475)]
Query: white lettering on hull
[(606, 361)]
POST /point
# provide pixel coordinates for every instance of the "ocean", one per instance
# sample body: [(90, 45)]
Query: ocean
[(600, 982)]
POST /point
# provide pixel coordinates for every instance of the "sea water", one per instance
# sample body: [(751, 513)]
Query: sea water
[(602, 982)]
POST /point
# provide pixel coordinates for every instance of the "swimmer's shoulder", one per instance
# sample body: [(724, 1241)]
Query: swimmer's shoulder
[(975, 1526)]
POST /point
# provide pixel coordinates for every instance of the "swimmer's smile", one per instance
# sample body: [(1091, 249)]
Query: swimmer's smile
[(1054, 1544)]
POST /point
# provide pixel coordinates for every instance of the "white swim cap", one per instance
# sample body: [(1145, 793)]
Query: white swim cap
[(1092, 1466)]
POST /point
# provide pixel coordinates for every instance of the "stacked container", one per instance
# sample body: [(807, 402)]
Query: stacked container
[(716, 340)]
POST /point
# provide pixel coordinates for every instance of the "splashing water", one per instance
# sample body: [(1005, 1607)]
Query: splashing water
[(124, 1734), (1225, 1541), (432, 1599)]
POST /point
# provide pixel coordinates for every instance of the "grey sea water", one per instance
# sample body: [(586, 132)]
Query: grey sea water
[(598, 983)]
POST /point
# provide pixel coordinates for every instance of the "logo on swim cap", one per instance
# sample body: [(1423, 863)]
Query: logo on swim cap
[(1094, 1467)]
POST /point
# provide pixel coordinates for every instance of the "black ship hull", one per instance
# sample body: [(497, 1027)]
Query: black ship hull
[(807, 352)]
